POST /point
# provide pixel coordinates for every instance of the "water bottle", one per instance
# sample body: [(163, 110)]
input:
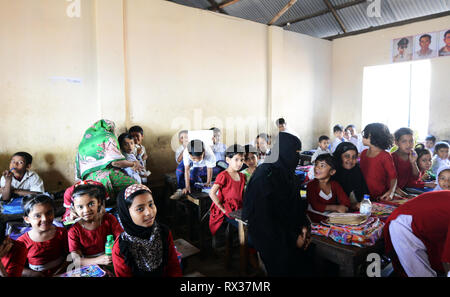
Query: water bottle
[(109, 245), (366, 206)]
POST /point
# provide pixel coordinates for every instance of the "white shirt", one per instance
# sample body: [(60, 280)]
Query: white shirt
[(219, 150), (334, 144), (178, 152), (209, 159), (318, 152), (437, 163), (357, 142), (30, 182)]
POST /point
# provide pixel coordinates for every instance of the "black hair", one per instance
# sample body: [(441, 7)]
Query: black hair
[(27, 157), (403, 41), (350, 126), (338, 128), (2, 229), (430, 138), (31, 200), (440, 145), (196, 148), (280, 121), (425, 35), (379, 135), (233, 150), (445, 34), (421, 150), (265, 136), (136, 129), (96, 191), (402, 131), (250, 149), (215, 130), (181, 132), (327, 158), (130, 199), (323, 137), (122, 138)]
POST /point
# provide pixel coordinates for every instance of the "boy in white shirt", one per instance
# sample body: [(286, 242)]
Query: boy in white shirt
[(440, 158), (324, 142), (139, 150), (355, 138), (338, 131), (183, 140)]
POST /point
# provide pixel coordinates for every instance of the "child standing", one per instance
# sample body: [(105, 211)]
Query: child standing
[(218, 148), (139, 151), (440, 156), (324, 142), (324, 194), (145, 248), (13, 254), (338, 131), (87, 238), (229, 186), (46, 244), (405, 160), (127, 147), (251, 160), (376, 164), (183, 140), (20, 181)]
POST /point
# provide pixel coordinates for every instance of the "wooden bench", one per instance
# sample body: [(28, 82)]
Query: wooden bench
[(202, 202)]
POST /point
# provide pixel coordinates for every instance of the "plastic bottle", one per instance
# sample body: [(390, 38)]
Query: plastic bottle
[(109, 245), (366, 206)]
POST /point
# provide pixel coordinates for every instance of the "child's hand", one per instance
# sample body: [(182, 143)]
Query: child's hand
[(341, 208), (137, 166), (104, 260), (138, 150), (387, 196), (8, 176), (430, 185), (187, 190), (412, 156), (5, 247)]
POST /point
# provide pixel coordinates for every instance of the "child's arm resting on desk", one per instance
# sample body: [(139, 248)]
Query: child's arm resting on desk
[(100, 260)]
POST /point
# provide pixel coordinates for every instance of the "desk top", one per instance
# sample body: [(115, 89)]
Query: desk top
[(237, 215)]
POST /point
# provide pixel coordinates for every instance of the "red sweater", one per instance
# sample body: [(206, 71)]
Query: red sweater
[(172, 268), (378, 172), (430, 223), (405, 176), (319, 204), (15, 260)]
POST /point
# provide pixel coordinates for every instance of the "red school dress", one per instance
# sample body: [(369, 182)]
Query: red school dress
[(430, 223), (92, 242), (230, 195), (15, 260), (405, 176), (378, 172), (46, 256)]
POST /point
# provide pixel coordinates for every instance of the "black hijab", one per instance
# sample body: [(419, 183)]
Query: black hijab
[(351, 180)]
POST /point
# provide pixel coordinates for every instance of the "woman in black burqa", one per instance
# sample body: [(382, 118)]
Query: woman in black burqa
[(276, 214)]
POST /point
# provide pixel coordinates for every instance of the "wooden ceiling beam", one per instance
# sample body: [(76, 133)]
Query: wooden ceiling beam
[(282, 11), (227, 3), (215, 7), (336, 16)]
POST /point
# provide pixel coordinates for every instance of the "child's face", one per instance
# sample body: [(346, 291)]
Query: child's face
[(143, 210), (443, 153), (444, 179), (352, 131), (197, 159), (86, 207), (251, 160), (183, 139), (128, 145), (366, 141), (429, 144), (405, 144), (41, 217), (347, 134), (322, 170), (19, 164), (282, 127), (339, 134), (137, 137), (424, 162), (349, 159), (324, 144), (216, 137), (261, 144), (236, 162)]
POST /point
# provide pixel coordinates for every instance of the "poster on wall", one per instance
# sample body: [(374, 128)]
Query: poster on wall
[(402, 49), (426, 46), (444, 43)]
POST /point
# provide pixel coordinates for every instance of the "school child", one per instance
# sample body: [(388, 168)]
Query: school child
[(87, 237), (139, 151), (227, 191), (127, 147), (443, 178), (405, 160), (324, 142), (322, 193), (13, 254), (440, 156), (251, 160), (218, 149), (183, 140), (198, 162), (338, 132), (145, 247), (262, 146), (426, 177), (376, 164), (430, 142), (416, 236), (281, 125), (20, 181), (354, 137), (47, 244)]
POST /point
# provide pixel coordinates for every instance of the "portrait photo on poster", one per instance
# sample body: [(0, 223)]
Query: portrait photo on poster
[(425, 46), (402, 49), (444, 43)]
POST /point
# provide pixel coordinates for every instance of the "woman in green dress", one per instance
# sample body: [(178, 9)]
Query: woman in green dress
[(99, 159)]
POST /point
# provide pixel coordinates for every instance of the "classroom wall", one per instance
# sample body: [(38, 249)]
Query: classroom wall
[(350, 56)]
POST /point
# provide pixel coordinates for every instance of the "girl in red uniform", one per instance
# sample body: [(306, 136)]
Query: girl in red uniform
[(376, 164), (417, 235), (230, 187), (46, 244), (145, 248), (13, 254), (87, 238)]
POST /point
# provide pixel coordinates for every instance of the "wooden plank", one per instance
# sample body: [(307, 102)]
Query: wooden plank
[(228, 3), (282, 11), (185, 248), (336, 16)]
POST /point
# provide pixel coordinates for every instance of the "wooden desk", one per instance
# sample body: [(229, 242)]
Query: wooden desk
[(243, 238), (203, 203)]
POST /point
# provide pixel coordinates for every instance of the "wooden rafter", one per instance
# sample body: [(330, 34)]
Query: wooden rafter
[(336, 16), (282, 11), (228, 3), (215, 7)]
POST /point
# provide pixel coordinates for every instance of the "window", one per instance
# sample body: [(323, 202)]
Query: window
[(398, 95)]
